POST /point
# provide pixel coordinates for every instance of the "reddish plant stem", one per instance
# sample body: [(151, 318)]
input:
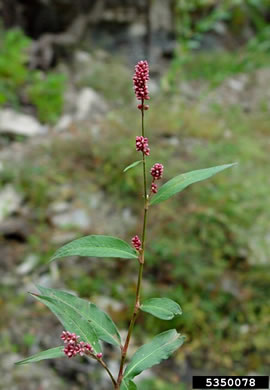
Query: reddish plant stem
[(104, 365), (140, 274)]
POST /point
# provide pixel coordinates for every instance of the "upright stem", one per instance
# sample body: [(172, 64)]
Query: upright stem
[(140, 274)]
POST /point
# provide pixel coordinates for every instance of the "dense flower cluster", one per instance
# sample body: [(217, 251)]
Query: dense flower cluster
[(157, 171), (136, 242), (140, 78), (142, 145), (74, 347)]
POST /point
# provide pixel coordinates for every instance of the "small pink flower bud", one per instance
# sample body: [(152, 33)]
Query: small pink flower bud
[(136, 242), (143, 107), (157, 171), (154, 188), (89, 348), (99, 355), (70, 350), (147, 151), (68, 337)]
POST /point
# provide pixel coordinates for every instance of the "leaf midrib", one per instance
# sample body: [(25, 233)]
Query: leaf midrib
[(159, 308), (95, 247), (76, 310), (83, 333), (163, 192), (37, 355), (172, 186), (153, 352)]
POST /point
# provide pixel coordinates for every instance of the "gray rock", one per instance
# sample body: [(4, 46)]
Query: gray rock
[(137, 30), (16, 226), (154, 87), (89, 103), (238, 84), (161, 16), (27, 377), (107, 303), (61, 238), (129, 219), (64, 122), (82, 58), (75, 218), (59, 207), (45, 281), (28, 265), (10, 201), (12, 122)]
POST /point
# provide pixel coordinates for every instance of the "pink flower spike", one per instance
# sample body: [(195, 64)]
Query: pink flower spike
[(136, 242), (99, 355), (140, 78), (157, 171)]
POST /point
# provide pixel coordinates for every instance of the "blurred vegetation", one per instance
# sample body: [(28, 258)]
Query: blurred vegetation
[(194, 18), (244, 24), (158, 384), (121, 92), (22, 86)]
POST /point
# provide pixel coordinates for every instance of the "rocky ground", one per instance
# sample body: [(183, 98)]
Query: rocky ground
[(42, 208)]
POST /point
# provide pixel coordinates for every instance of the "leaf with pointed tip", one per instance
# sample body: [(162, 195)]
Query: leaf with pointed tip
[(97, 246), (102, 323), (160, 348), (163, 308), (128, 385), (71, 321), (133, 165), (48, 354), (180, 182)]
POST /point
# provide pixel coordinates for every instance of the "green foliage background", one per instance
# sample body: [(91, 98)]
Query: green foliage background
[(21, 85)]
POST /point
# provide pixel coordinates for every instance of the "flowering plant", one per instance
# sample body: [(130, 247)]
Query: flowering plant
[(85, 324)]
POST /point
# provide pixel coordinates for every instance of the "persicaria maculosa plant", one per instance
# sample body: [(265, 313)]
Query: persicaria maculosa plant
[(84, 323)]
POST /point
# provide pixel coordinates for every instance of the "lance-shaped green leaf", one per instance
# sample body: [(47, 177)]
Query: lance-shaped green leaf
[(163, 308), (71, 321), (48, 354), (160, 348), (179, 183), (133, 165), (128, 385), (99, 320), (97, 246)]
